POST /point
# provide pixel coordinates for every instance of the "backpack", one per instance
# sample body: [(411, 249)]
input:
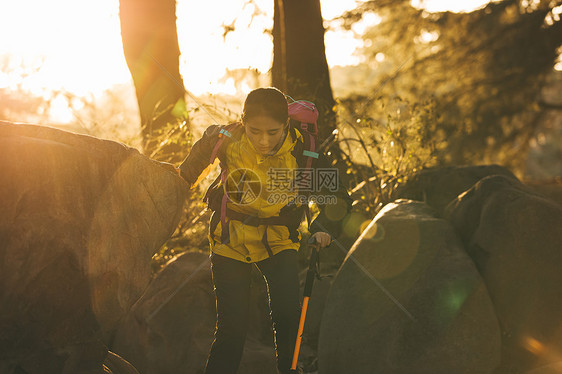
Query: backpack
[(306, 113)]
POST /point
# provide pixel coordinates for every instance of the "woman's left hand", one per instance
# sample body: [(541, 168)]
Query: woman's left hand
[(322, 238)]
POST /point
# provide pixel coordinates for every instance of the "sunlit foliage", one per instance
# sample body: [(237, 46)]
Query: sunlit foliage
[(385, 141), (485, 70)]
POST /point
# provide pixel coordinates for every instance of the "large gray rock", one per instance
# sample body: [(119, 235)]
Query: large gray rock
[(80, 219), (515, 239), (407, 299), (170, 329), (438, 186)]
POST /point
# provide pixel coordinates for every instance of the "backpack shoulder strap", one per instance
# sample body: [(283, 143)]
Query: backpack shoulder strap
[(224, 137), (305, 151), (309, 149), (306, 156)]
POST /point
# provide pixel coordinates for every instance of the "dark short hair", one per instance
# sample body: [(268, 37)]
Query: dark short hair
[(266, 101)]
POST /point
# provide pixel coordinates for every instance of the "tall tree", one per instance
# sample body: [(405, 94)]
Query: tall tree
[(299, 58), (150, 44)]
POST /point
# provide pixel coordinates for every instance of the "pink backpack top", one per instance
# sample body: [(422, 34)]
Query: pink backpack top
[(306, 113)]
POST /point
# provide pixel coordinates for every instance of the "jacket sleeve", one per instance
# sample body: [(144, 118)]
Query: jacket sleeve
[(337, 202), (200, 155)]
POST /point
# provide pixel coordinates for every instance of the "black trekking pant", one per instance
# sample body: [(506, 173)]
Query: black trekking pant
[(231, 279)]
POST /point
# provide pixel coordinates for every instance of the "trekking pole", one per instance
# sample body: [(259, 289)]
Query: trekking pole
[(312, 271)]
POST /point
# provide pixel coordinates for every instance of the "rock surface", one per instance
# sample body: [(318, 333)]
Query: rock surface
[(437, 187), (80, 219), (514, 237), (407, 299)]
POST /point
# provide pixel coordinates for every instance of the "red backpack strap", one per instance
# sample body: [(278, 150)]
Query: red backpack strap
[(224, 133), (310, 150), (225, 236)]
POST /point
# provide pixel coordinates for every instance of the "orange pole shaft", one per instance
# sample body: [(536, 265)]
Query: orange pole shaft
[(299, 334)]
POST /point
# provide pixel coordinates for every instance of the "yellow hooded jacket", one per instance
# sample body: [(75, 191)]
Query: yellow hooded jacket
[(258, 186)]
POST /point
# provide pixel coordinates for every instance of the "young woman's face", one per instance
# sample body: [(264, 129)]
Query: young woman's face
[(264, 133)]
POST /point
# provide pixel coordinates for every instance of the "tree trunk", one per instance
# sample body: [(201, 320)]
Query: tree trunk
[(278, 68), (150, 45), (299, 60)]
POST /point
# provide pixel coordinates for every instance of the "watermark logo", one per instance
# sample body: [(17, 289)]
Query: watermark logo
[(284, 186), (243, 186), (302, 179)]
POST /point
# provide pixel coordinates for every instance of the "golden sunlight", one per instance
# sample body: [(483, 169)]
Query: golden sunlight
[(68, 46), (61, 45)]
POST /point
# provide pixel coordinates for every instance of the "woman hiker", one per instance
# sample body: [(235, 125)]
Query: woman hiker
[(256, 214)]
